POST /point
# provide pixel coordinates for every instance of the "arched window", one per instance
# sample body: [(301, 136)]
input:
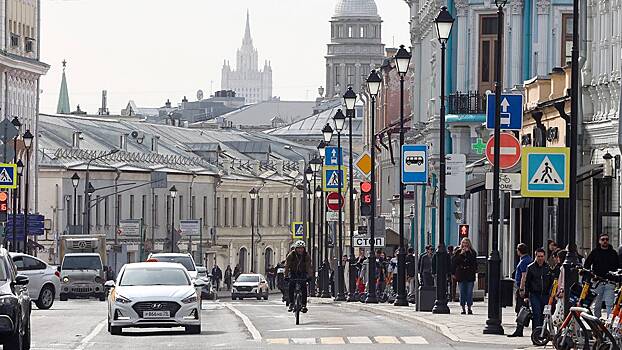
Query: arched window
[(268, 258), (242, 259)]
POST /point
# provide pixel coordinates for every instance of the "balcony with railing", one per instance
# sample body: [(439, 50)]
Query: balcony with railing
[(471, 102)]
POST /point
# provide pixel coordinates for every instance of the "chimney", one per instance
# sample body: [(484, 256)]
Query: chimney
[(77, 136), (301, 167), (227, 164), (255, 167), (167, 104), (279, 166), (123, 142), (155, 140)]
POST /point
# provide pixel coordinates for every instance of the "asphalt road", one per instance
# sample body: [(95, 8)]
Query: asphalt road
[(248, 324)]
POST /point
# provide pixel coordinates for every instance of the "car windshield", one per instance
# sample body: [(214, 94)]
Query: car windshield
[(82, 263), (247, 278), (154, 276), (184, 260)]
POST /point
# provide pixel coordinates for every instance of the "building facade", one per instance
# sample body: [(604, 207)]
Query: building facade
[(247, 80), (355, 47)]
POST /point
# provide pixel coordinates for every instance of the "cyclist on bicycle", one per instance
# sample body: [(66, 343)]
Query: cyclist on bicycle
[(298, 266)]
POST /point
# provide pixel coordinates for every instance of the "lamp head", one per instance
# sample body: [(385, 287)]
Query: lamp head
[(373, 83), (318, 191), (173, 191), (444, 21), (340, 119), (308, 173), (75, 178), (28, 137), (402, 60), (322, 148), (253, 193), (16, 123), (20, 167), (327, 131), (315, 164), (349, 98)]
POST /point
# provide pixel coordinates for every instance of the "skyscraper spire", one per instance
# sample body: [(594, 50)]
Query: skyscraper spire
[(247, 33), (63, 96)]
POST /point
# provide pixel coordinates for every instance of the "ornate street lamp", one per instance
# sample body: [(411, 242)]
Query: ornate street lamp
[(339, 119), (253, 193), (75, 180), (327, 132), (28, 138), (173, 193), (349, 99)]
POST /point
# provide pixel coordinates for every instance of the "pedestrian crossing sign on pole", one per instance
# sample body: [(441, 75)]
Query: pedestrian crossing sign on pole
[(298, 231), (7, 175), (332, 174), (545, 172)]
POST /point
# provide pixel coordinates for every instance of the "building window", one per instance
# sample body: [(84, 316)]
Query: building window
[(155, 211), (270, 211), (286, 212), (362, 32), (97, 212), (350, 75), (131, 206), (349, 31), (487, 50), (181, 207), (144, 209), (279, 211), (80, 211), (29, 44), (260, 213), (193, 209), (294, 208), (217, 216), (234, 212), (567, 27), (14, 40), (106, 212), (119, 207), (204, 210), (337, 74), (226, 212), (244, 223), (68, 206), (168, 213)]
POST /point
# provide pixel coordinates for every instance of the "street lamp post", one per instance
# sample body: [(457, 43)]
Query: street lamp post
[(373, 85), (340, 121), (315, 165), (307, 186), (75, 180), (319, 261), (87, 185), (253, 193), (173, 193), (402, 60), (28, 137), (327, 133), (17, 124), (349, 99), (16, 193), (444, 22)]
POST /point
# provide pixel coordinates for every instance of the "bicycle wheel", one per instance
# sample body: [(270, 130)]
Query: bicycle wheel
[(537, 338), (297, 308), (563, 343)]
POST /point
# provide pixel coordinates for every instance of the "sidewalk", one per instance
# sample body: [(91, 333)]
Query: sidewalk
[(457, 327)]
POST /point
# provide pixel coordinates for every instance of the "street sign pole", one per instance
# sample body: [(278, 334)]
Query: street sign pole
[(340, 295), (493, 323)]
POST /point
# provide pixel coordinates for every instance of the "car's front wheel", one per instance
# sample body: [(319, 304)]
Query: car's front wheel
[(46, 298), (193, 329)]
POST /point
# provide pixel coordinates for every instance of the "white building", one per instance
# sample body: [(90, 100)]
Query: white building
[(247, 80)]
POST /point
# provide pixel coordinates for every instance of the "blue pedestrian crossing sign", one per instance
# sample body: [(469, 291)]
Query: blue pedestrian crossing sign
[(298, 231), (7, 175), (511, 116), (545, 172), (332, 176), (415, 164), (334, 156)]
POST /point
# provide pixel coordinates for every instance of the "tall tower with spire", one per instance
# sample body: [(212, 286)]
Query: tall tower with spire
[(247, 80), (63, 97)]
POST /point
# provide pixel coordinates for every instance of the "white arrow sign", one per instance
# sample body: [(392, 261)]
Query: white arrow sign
[(504, 105)]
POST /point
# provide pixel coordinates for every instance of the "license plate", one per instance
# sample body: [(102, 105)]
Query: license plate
[(156, 314)]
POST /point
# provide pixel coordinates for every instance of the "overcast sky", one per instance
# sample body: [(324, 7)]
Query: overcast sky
[(151, 50)]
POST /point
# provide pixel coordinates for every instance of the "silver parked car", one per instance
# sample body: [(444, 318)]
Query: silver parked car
[(154, 294), (250, 285), (44, 280)]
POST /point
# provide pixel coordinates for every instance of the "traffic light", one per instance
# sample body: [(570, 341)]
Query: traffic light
[(366, 198), (4, 206)]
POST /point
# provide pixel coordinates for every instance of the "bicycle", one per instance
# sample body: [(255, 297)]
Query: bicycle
[(299, 282), (541, 335)]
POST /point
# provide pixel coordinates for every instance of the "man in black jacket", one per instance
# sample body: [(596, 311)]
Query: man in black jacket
[(538, 286), (602, 260)]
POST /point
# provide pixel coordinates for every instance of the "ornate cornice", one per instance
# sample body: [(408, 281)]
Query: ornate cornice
[(544, 6), (516, 7)]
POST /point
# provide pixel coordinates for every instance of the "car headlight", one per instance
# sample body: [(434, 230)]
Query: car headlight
[(98, 279), (121, 299), (65, 279), (190, 299)]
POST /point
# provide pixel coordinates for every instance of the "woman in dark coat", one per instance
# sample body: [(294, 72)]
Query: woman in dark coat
[(464, 265)]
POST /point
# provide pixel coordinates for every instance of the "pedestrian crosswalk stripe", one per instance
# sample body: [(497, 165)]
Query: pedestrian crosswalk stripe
[(359, 340), (303, 340), (414, 340), (278, 341), (386, 340), (332, 340)]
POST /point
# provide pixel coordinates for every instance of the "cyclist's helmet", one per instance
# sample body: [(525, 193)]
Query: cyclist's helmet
[(300, 244)]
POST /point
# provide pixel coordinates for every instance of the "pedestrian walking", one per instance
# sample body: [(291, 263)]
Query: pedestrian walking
[(551, 247), (236, 272), (410, 273), (602, 260), (538, 284), (464, 265), (271, 274), (425, 267), (216, 276), (451, 276), (520, 276), (228, 277)]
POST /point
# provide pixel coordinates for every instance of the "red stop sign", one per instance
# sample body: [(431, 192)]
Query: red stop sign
[(332, 201), (509, 150)]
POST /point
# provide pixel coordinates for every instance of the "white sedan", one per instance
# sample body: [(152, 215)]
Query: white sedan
[(154, 294), (44, 280), (250, 285)]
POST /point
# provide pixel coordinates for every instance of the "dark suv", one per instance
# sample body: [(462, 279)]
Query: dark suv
[(14, 306)]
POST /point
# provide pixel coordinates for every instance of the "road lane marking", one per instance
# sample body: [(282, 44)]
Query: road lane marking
[(359, 340), (306, 329), (280, 341), (332, 340), (247, 322), (85, 341), (415, 340), (386, 340), (305, 341)]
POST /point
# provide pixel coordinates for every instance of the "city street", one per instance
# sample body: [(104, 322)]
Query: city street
[(248, 324)]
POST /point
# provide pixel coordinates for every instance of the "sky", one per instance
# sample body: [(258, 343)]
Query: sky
[(153, 50)]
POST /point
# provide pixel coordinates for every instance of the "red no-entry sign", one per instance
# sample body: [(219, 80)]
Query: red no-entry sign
[(509, 150), (332, 201)]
